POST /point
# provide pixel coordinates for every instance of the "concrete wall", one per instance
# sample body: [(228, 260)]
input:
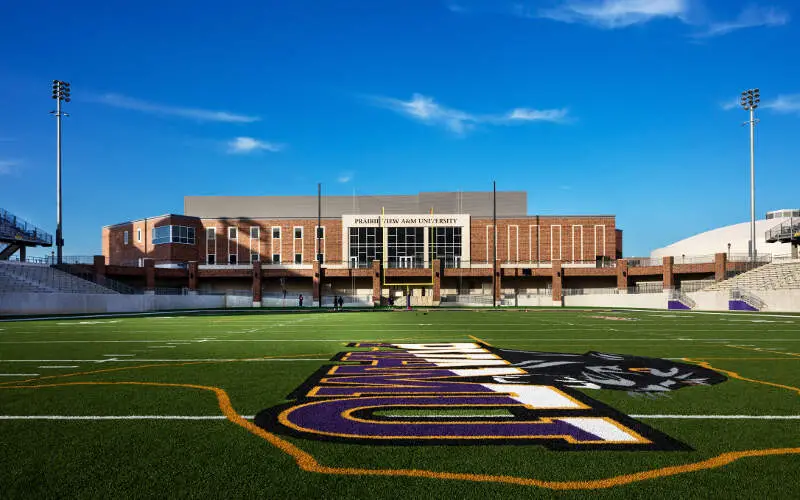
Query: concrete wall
[(76, 303), (643, 300)]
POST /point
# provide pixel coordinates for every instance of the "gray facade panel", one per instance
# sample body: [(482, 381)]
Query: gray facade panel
[(509, 203)]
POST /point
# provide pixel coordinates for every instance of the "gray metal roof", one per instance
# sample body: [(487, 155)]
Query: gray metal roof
[(475, 203)]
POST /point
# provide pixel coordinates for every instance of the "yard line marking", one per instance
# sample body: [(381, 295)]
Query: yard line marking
[(113, 417), (476, 339), (735, 375), (723, 417), (549, 339), (18, 374), (71, 366), (115, 355), (161, 347), (306, 461)]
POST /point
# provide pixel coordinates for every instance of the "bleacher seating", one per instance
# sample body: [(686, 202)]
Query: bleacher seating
[(774, 276), (26, 277)]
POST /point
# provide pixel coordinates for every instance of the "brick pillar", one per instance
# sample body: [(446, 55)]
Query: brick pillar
[(720, 264), (257, 278), (498, 283), (622, 275), (23, 253), (317, 282), (193, 277), (99, 267), (376, 282), (669, 278), (437, 281), (149, 276), (558, 276)]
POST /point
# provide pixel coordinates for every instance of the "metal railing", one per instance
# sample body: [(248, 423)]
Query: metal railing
[(644, 261), (589, 291), (104, 282), (680, 296), (695, 259), (748, 298), (14, 228), (695, 285), (785, 231)]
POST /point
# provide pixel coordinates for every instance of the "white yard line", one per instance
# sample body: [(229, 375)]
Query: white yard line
[(70, 366), (115, 355), (19, 374), (723, 417)]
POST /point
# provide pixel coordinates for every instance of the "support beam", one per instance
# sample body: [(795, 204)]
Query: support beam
[(376, 282), (622, 275), (558, 276), (720, 264), (437, 281), (99, 268), (667, 273), (317, 282), (149, 276), (193, 266), (498, 283), (257, 278)]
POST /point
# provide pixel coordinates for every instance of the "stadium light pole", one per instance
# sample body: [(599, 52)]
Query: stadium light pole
[(749, 102), (61, 92)]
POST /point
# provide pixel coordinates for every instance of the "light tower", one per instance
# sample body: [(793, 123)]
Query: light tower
[(749, 101), (61, 92)]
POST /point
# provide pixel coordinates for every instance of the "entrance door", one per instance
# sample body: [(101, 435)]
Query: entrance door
[(406, 262)]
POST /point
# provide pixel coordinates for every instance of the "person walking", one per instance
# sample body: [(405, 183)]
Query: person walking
[(341, 302), (300, 300), (335, 302)]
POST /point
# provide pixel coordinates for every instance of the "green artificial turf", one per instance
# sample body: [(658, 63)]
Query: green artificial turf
[(258, 359)]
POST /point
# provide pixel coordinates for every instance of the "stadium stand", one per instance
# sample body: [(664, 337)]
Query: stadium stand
[(18, 234), (773, 276), (29, 277)]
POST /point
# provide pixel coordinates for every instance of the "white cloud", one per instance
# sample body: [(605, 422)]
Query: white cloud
[(245, 145), (428, 111), (729, 105), (612, 14), (750, 17), (345, 177), (789, 103), (203, 115), (7, 166)]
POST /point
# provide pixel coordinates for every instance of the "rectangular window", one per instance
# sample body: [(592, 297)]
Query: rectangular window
[(138, 235), (276, 233), (211, 259), (320, 233), (211, 245), (161, 235), (232, 259), (232, 233), (173, 234), (298, 258), (253, 257), (254, 233), (366, 245), (211, 234), (298, 233), (125, 237), (276, 258), (445, 245)]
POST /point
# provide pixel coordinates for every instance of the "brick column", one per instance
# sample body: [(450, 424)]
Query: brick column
[(437, 281), (317, 282), (193, 277), (376, 282), (99, 267), (669, 278), (149, 276), (257, 278), (498, 283), (558, 276), (622, 275), (23, 253), (720, 264)]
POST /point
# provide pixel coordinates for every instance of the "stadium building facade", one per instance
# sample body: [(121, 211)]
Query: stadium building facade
[(430, 246)]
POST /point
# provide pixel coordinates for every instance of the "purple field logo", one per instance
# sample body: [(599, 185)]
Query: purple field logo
[(469, 393)]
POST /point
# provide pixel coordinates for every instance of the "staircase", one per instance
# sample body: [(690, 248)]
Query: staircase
[(17, 277), (678, 300), (18, 234), (774, 276)]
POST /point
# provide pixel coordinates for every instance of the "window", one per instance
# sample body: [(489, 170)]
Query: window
[(211, 245), (254, 233), (320, 258), (211, 259), (298, 258), (320, 233), (173, 234), (232, 259), (125, 237), (276, 233), (211, 234), (298, 233), (139, 235), (276, 258), (446, 245), (366, 245), (406, 247), (232, 233), (253, 257)]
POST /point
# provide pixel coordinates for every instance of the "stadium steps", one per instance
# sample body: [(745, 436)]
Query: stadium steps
[(26, 277), (774, 276)]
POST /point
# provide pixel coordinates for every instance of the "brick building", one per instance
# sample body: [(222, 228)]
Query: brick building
[(429, 244)]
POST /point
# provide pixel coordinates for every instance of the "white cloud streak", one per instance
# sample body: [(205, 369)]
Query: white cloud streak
[(751, 17), (246, 145), (426, 110), (203, 115), (7, 167), (789, 103), (611, 14), (345, 177)]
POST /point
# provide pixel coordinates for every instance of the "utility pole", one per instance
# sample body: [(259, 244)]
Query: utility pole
[(61, 92), (749, 101), (494, 243), (319, 238)]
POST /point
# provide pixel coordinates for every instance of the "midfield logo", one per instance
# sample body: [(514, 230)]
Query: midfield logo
[(469, 393)]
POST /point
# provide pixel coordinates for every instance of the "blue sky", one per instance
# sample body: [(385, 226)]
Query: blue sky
[(624, 107)]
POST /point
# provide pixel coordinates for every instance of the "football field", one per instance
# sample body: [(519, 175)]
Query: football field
[(235, 405)]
